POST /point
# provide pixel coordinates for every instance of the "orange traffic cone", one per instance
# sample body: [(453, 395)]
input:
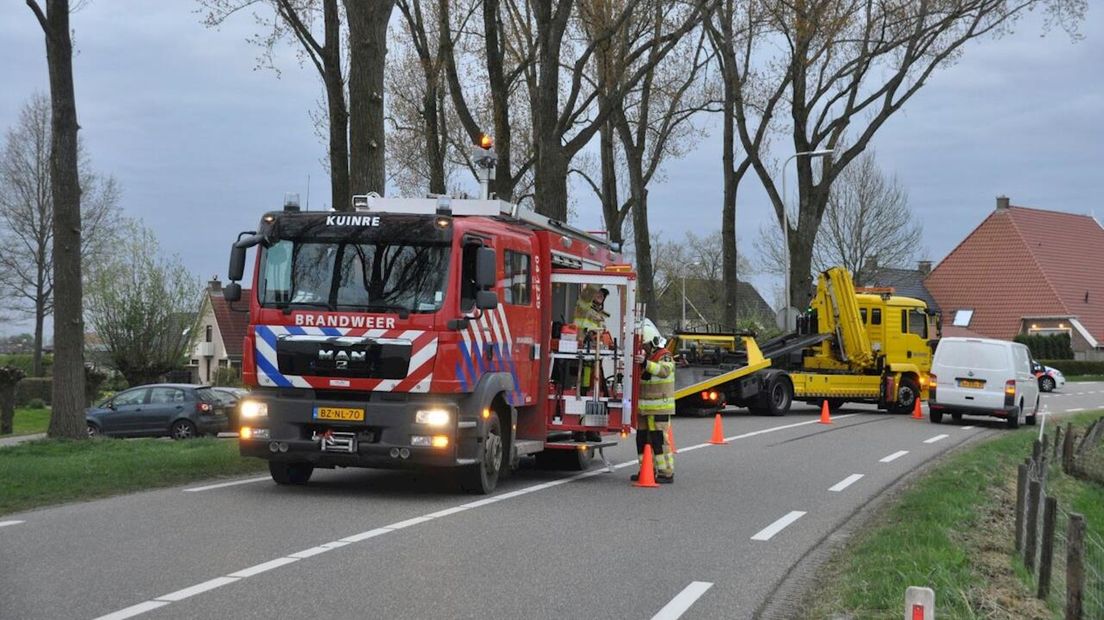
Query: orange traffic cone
[(671, 438), (647, 469), (718, 431), (824, 417), (916, 415)]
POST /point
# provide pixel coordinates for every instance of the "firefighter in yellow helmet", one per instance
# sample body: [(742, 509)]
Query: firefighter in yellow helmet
[(657, 402), (590, 315)]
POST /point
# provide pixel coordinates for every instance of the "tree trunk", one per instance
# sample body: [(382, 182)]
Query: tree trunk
[(729, 271), (367, 59), (67, 419), (7, 408), (340, 196), (611, 203), (551, 180), (40, 318), (500, 101), (435, 154)]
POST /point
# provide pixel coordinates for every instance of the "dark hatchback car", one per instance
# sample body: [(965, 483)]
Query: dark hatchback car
[(232, 397), (180, 411)]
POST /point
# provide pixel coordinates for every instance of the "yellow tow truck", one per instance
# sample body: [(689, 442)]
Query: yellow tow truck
[(867, 346)]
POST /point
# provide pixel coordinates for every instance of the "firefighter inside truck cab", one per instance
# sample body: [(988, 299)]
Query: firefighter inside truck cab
[(591, 333)]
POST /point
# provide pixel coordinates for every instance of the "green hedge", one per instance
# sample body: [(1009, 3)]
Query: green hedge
[(1047, 347), (1070, 367), (34, 387), (25, 362)]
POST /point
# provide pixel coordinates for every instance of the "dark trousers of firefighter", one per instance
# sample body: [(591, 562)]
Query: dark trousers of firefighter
[(654, 431)]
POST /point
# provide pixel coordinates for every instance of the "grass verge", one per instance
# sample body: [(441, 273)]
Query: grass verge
[(40, 473), (28, 421), (1086, 378), (951, 530)]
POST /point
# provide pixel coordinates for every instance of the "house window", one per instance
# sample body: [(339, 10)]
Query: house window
[(962, 318), (518, 282), (210, 333)]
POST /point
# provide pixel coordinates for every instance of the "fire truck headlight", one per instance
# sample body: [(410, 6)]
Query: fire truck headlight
[(432, 417), (253, 409)]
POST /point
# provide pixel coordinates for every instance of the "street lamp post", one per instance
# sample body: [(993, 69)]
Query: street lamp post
[(786, 232), (683, 324)]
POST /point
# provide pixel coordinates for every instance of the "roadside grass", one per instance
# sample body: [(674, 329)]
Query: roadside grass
[(45, 472), (950, 530), (29, 421), (1086, 378)]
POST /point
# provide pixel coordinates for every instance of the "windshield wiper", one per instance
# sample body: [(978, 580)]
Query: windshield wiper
[(288, 306), (402, 311)]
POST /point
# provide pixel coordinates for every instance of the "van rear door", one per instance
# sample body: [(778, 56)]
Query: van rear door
[(973, 372)]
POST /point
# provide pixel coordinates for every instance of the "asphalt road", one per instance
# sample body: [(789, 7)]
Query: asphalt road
[(360, 543)]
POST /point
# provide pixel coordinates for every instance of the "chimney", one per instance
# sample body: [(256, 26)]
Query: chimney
[(214, 285), (1002, 202), (924, 267)]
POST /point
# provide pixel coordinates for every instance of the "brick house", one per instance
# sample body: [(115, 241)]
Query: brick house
[(1026, 271), (221, 331)]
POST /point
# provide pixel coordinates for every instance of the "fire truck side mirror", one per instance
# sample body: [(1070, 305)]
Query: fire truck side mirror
[(232, 292), (237, 263), (485, 268), (486, 300)]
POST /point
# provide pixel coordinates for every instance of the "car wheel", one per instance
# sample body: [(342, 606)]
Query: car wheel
[(1046, 384), (93, 431), (183, 429), (936, 417), (290, 473), (1013, 419)]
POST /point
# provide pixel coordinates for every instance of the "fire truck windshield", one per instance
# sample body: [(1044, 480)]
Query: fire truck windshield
[(374, 276)]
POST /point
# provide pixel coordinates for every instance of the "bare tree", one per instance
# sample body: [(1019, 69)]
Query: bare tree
[(846, 68), (867, 217), (298, 20), (67, 418), (27, 217), (143, 307)]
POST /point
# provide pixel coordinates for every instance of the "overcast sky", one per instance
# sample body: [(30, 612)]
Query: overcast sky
[(202, 142)]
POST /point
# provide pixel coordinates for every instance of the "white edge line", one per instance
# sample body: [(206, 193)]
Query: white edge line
[(379, 531), (415, 521), (782, 428), (893, 457), (768, 532), (936, 438), (1075, 410), (225, 484), (133, 610), (199, 588), (846, 482), (7, 523), (262, 567), (966, 428), (683, 600)]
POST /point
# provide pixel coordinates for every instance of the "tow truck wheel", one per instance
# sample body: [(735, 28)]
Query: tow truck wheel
[(290, 473), (482, 478), (780, 397), (907, 393), (835, 404)]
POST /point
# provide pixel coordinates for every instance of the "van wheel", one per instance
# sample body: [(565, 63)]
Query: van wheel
[(1013, 420), (482, 478), (1030, 420), (957, 417)]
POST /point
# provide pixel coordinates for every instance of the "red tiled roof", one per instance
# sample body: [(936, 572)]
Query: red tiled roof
[(231, 323), (1023, 262)]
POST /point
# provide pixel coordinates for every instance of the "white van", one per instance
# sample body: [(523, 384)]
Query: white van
[(979, 376)]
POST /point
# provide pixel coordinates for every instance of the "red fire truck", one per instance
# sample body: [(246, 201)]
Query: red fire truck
[(432, 333)]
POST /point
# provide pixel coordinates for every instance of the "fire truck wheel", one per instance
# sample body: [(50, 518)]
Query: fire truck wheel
[(290, 473), (907, 393), (482, 477)]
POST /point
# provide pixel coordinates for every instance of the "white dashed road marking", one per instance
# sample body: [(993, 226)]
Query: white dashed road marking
[(6, 523), (768, 532), (226, 484), (894, 456), (936, 438), (683, 601), (846, 482), (966, 428), (1075, 410)]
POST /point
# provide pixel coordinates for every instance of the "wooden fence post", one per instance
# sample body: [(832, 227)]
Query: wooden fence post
[(1067, 450), (1075, 567), (1021, 500), (1036, 450), (1032, 538), (1057, 440), (1046, 556)]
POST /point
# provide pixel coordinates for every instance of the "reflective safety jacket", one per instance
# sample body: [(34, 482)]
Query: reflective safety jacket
[(657, 384), (587, 317)]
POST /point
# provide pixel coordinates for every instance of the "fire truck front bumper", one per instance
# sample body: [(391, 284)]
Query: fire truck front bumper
[(404, 433)]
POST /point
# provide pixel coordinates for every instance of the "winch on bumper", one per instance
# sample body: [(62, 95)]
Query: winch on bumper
[(396, 430)]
